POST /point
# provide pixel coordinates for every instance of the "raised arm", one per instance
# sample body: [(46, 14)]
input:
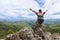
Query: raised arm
[(45, 12), (34, 11)]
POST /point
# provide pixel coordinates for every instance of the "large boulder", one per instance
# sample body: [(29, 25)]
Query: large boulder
[(26, 33), (47, 36), (23, 34), (55, 36)]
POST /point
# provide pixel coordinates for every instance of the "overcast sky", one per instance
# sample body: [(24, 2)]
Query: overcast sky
[(19, 9)]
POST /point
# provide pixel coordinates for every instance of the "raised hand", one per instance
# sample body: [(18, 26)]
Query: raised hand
[(30, 9)]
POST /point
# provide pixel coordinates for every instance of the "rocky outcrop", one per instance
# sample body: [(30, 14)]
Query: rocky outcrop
[(34, 33), (54, 36), (2, 39), (24, 34)]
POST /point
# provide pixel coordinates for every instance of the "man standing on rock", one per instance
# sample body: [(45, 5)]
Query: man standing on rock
[(40, 15)]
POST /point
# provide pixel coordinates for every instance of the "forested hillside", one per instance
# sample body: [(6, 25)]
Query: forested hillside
[(8, 28)]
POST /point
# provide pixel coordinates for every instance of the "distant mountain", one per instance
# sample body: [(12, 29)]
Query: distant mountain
[(49, 21), (52, 21)]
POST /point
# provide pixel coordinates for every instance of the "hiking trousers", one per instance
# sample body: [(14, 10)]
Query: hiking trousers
[(40, 21)]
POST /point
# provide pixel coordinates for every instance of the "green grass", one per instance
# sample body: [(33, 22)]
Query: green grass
[(8, 28), (53, 28)]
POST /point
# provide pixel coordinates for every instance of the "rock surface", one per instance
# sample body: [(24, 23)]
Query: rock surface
[(34, 33), (1, 39)]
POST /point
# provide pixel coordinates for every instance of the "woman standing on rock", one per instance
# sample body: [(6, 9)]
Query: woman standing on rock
[(40, 15)]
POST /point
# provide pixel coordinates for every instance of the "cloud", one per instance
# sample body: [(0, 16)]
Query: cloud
[(52, 17), (18, 9), (53, 9), (52, 5)]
